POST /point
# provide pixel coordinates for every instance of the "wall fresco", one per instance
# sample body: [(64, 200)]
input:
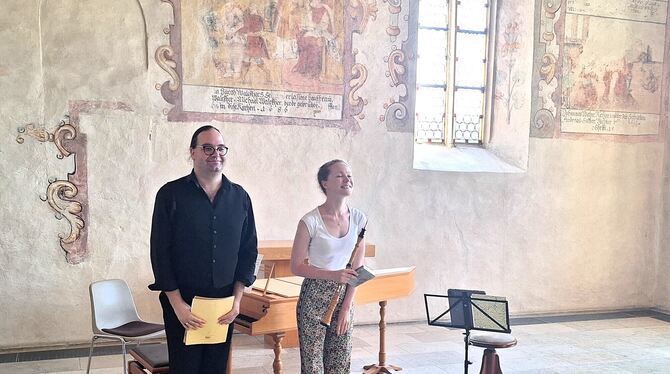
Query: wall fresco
[(601, 69), (274, 61)]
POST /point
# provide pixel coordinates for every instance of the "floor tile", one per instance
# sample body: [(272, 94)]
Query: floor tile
[(635, 343)]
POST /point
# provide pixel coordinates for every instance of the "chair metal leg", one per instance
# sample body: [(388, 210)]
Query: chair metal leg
[(123, 351), (90, 354)]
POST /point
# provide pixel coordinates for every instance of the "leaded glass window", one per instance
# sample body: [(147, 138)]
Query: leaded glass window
[(452, 82)]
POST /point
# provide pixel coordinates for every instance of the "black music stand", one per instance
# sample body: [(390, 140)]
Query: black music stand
[(470, 310)]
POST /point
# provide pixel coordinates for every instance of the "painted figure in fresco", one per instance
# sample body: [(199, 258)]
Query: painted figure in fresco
[(233, 41), (324, 241), (227, 44), (573, 53), (616, 80), (316, 41), (255, 50), (203, 243), (649, 79), (288, 14), (585, 95)]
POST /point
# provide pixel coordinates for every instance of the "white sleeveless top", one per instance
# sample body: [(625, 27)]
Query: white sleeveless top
[(326, 251)]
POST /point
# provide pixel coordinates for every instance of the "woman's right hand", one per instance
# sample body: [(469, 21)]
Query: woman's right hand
[(343, 276), (189, 320)]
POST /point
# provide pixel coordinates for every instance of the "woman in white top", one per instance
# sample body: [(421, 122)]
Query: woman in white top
[(323, 244)]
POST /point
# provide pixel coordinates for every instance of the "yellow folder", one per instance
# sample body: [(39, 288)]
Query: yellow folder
[(210, 310)]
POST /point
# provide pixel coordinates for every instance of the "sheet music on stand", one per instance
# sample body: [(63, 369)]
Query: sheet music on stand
[(468, 310), (489, 313)]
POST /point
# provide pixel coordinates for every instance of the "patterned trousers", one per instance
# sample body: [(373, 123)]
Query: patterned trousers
[(321, 350)]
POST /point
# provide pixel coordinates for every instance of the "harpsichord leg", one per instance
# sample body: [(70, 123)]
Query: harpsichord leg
[(276, 365), (382, 367)]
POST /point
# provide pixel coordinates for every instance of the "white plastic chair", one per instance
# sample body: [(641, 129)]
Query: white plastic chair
[(114, 316)]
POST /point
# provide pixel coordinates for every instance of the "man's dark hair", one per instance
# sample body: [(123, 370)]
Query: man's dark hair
[(194, 138)]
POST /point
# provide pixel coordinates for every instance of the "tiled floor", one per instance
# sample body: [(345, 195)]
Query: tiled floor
[(633, 344)]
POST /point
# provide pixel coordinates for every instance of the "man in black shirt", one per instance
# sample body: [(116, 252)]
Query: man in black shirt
[(203, 242)]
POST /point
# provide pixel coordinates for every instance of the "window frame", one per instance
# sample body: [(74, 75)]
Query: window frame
[(488, 90)]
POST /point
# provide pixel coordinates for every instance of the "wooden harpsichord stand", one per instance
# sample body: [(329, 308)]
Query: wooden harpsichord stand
[(274, 316), (388, 284)]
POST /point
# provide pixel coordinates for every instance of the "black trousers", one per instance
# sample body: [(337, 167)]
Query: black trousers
[(194, 359)]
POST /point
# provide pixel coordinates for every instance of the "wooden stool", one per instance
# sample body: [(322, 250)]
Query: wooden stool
[(491, 341), (151, 357)]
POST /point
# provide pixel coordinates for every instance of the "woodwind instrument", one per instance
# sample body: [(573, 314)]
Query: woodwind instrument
[(328, 316)]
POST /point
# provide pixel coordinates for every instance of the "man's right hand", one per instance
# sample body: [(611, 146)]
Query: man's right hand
[(189, 320), (183, 311)]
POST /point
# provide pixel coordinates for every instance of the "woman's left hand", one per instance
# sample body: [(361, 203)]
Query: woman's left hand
[(229, 317), (343, 321)]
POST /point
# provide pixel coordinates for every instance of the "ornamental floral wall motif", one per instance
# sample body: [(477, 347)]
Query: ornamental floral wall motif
[(508, 77), (68, 196), (64, 196), (401, 67)]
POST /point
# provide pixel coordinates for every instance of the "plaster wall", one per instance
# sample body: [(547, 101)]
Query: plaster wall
[(662, 288), (578, 231)]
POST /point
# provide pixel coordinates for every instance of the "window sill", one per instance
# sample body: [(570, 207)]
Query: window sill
[(469, 159)]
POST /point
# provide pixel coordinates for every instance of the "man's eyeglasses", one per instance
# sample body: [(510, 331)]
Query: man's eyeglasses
[(209, 149)]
